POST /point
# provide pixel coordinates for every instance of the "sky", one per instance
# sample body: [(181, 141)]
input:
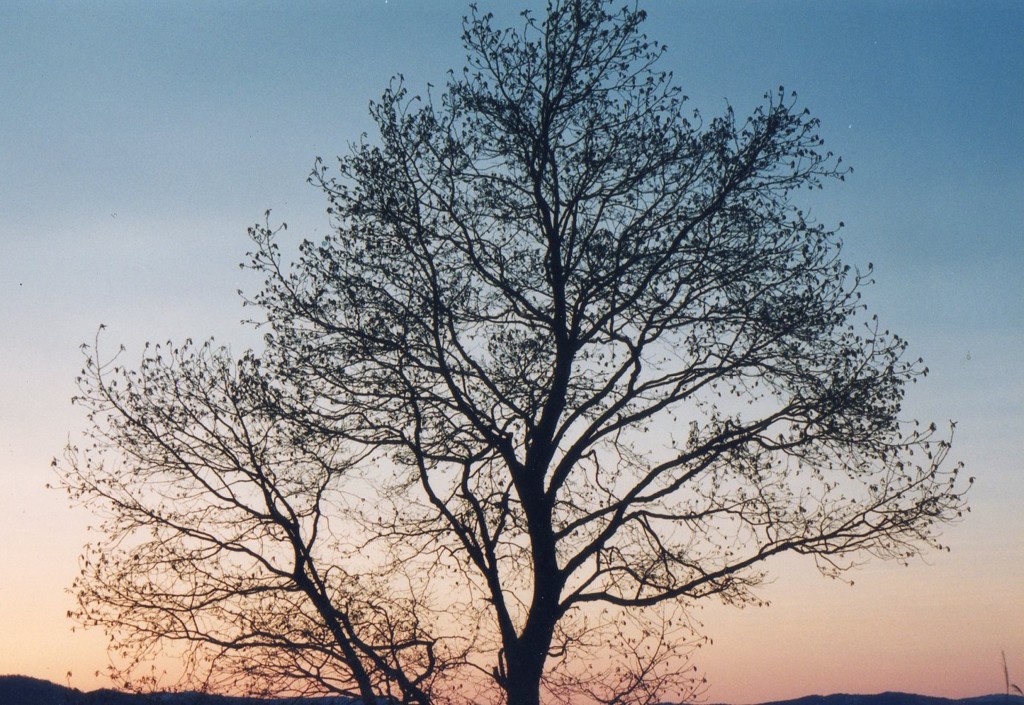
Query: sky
[(138, 141)]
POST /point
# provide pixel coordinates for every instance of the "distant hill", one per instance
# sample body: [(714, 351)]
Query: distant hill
[(22, 690), (899, 699)]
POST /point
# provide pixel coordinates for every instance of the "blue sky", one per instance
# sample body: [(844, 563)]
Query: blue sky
[(139, 140)]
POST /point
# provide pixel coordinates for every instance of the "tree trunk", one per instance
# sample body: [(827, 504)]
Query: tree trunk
[(525, 671), (526, 658)]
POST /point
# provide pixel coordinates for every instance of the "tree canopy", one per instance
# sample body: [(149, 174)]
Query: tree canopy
[(571, 358)]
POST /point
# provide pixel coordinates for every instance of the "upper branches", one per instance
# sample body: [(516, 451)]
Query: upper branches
[(552, 259)]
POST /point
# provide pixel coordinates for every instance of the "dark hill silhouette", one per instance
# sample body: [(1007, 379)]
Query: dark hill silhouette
[(22, 690), (899, 699)]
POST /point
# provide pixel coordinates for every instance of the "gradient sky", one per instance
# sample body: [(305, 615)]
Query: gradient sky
[(139, 140)]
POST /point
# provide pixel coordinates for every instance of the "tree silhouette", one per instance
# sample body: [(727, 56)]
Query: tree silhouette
[(572, 358), (226, 532)]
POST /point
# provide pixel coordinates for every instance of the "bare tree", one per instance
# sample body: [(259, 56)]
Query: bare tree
[(227, 535), (591, 359)]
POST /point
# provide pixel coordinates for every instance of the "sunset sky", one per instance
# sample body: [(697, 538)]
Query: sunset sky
[(139, 140)]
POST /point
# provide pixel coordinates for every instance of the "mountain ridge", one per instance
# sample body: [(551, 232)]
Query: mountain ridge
[(26, 690)]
